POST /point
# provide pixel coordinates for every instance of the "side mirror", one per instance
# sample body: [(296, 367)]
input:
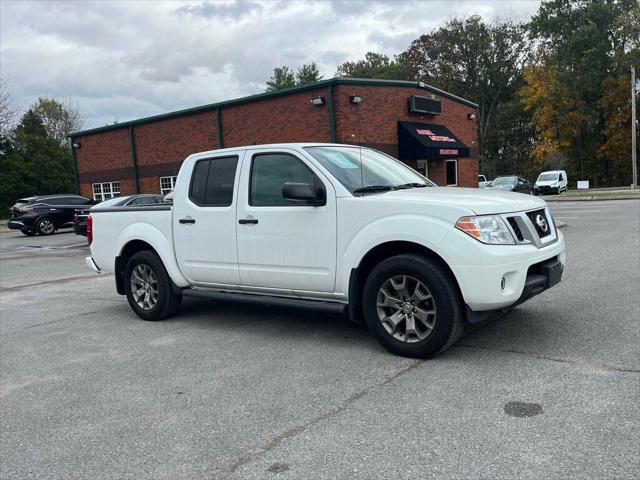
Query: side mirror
[(303, 192)]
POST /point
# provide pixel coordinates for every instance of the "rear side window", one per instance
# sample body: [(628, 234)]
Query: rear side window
[(212, 182), (269, 173)]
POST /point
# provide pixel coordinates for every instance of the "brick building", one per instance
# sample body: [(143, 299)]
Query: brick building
[(429, 129)]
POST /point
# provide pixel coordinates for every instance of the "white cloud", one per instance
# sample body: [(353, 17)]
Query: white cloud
[(124, 60)]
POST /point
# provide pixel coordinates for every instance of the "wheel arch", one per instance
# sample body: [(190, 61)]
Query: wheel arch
[(377, 254), (127, 251)]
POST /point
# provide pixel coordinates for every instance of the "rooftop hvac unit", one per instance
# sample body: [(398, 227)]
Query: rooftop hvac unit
[(427, 105)]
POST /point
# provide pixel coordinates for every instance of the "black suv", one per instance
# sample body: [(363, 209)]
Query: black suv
[(45, 214)]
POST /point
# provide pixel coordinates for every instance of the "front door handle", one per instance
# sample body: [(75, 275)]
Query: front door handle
[(187, 220), (245, 221)]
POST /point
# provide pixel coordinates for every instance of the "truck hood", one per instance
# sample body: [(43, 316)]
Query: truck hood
[(546, 183), (482, 202)]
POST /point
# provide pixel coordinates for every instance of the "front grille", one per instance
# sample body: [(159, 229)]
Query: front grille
[(540, 221), (515, 228)]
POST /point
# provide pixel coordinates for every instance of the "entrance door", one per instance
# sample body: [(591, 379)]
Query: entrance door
[(204, 230), (282, 243)]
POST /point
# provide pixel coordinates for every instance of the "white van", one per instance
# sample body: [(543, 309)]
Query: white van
[(553, 181)]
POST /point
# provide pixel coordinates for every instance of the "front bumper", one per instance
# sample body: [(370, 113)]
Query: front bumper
[(16, 225), (494, 277)]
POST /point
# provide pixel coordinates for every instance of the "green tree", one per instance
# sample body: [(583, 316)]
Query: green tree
[(307, 74), (33, 163), (374, 65), (282, 77)]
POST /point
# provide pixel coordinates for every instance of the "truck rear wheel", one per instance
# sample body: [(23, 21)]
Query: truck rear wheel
[(148, 287), (412, 307)]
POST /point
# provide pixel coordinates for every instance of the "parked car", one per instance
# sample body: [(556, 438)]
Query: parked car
[(482, 181), (553, 181), (80, 217), (332, 223), (511, 184), (44, 214)]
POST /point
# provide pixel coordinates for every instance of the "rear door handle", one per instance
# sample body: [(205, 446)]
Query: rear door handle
[(245, 221), (187, 220)]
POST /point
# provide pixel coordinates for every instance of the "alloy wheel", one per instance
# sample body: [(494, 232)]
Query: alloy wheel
[(144, 286), (406, 309), (46, 226)]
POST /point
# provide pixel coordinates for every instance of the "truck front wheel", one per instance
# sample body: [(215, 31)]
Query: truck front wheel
[(148, 287), (412, 307)]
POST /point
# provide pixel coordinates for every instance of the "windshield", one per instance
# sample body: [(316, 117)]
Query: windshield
[(548, 177), (378, 169), (504, 181)]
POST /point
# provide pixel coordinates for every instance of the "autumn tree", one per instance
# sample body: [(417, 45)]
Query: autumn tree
[(583, 48)]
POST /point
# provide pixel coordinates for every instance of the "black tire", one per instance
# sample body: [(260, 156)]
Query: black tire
[(28, 233), (448, 324), (168, 301), (46, 226)]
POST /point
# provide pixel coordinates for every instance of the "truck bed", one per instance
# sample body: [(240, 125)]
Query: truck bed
[(116, 225)]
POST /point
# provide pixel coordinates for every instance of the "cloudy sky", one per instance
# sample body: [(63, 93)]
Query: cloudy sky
[(119, 60)]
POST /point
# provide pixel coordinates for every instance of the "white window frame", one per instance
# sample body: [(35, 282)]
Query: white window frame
[(426, 166), (164, 190), (105, 190), (446, 176)]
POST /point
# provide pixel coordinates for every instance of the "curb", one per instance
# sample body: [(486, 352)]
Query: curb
[(592, 198)]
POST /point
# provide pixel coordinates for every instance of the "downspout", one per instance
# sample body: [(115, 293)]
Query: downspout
[(219, 126), (74, 164), (134, 158), (332, 115)]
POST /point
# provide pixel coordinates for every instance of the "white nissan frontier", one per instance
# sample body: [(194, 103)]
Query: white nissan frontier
[(332, 223)]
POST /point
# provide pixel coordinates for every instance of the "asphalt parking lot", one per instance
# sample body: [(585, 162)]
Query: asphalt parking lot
[(243, 391)]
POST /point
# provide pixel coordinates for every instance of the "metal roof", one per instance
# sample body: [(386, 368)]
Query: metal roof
[(276, 94)]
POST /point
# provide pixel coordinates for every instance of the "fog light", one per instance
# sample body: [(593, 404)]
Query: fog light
[(502, 283)]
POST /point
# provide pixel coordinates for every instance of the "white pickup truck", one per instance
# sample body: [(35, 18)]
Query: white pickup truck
[(332, 223)]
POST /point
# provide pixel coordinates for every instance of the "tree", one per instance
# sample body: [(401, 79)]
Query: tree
[(583, 48), (374, 65), (308, 74), (614, 151), (34, 163), (475, 60), (59, 117), (283, 77), (7, 112)]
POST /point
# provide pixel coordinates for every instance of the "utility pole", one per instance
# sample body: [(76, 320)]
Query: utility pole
[(634, 164)]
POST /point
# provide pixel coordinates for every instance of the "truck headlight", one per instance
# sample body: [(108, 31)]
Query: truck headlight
[(489, 229)]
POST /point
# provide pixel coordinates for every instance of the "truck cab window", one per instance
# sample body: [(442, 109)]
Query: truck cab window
[(269, 173), (212, 182)]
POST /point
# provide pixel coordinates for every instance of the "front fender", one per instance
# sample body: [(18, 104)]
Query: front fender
[(158, 241), (425, 231)]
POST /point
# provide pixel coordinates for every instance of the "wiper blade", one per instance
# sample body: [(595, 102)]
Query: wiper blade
[(373, 188), (410, 185)]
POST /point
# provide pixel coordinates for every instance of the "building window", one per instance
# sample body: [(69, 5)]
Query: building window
[(167, 184), (452, 173), (423, 168), (105, 190)]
